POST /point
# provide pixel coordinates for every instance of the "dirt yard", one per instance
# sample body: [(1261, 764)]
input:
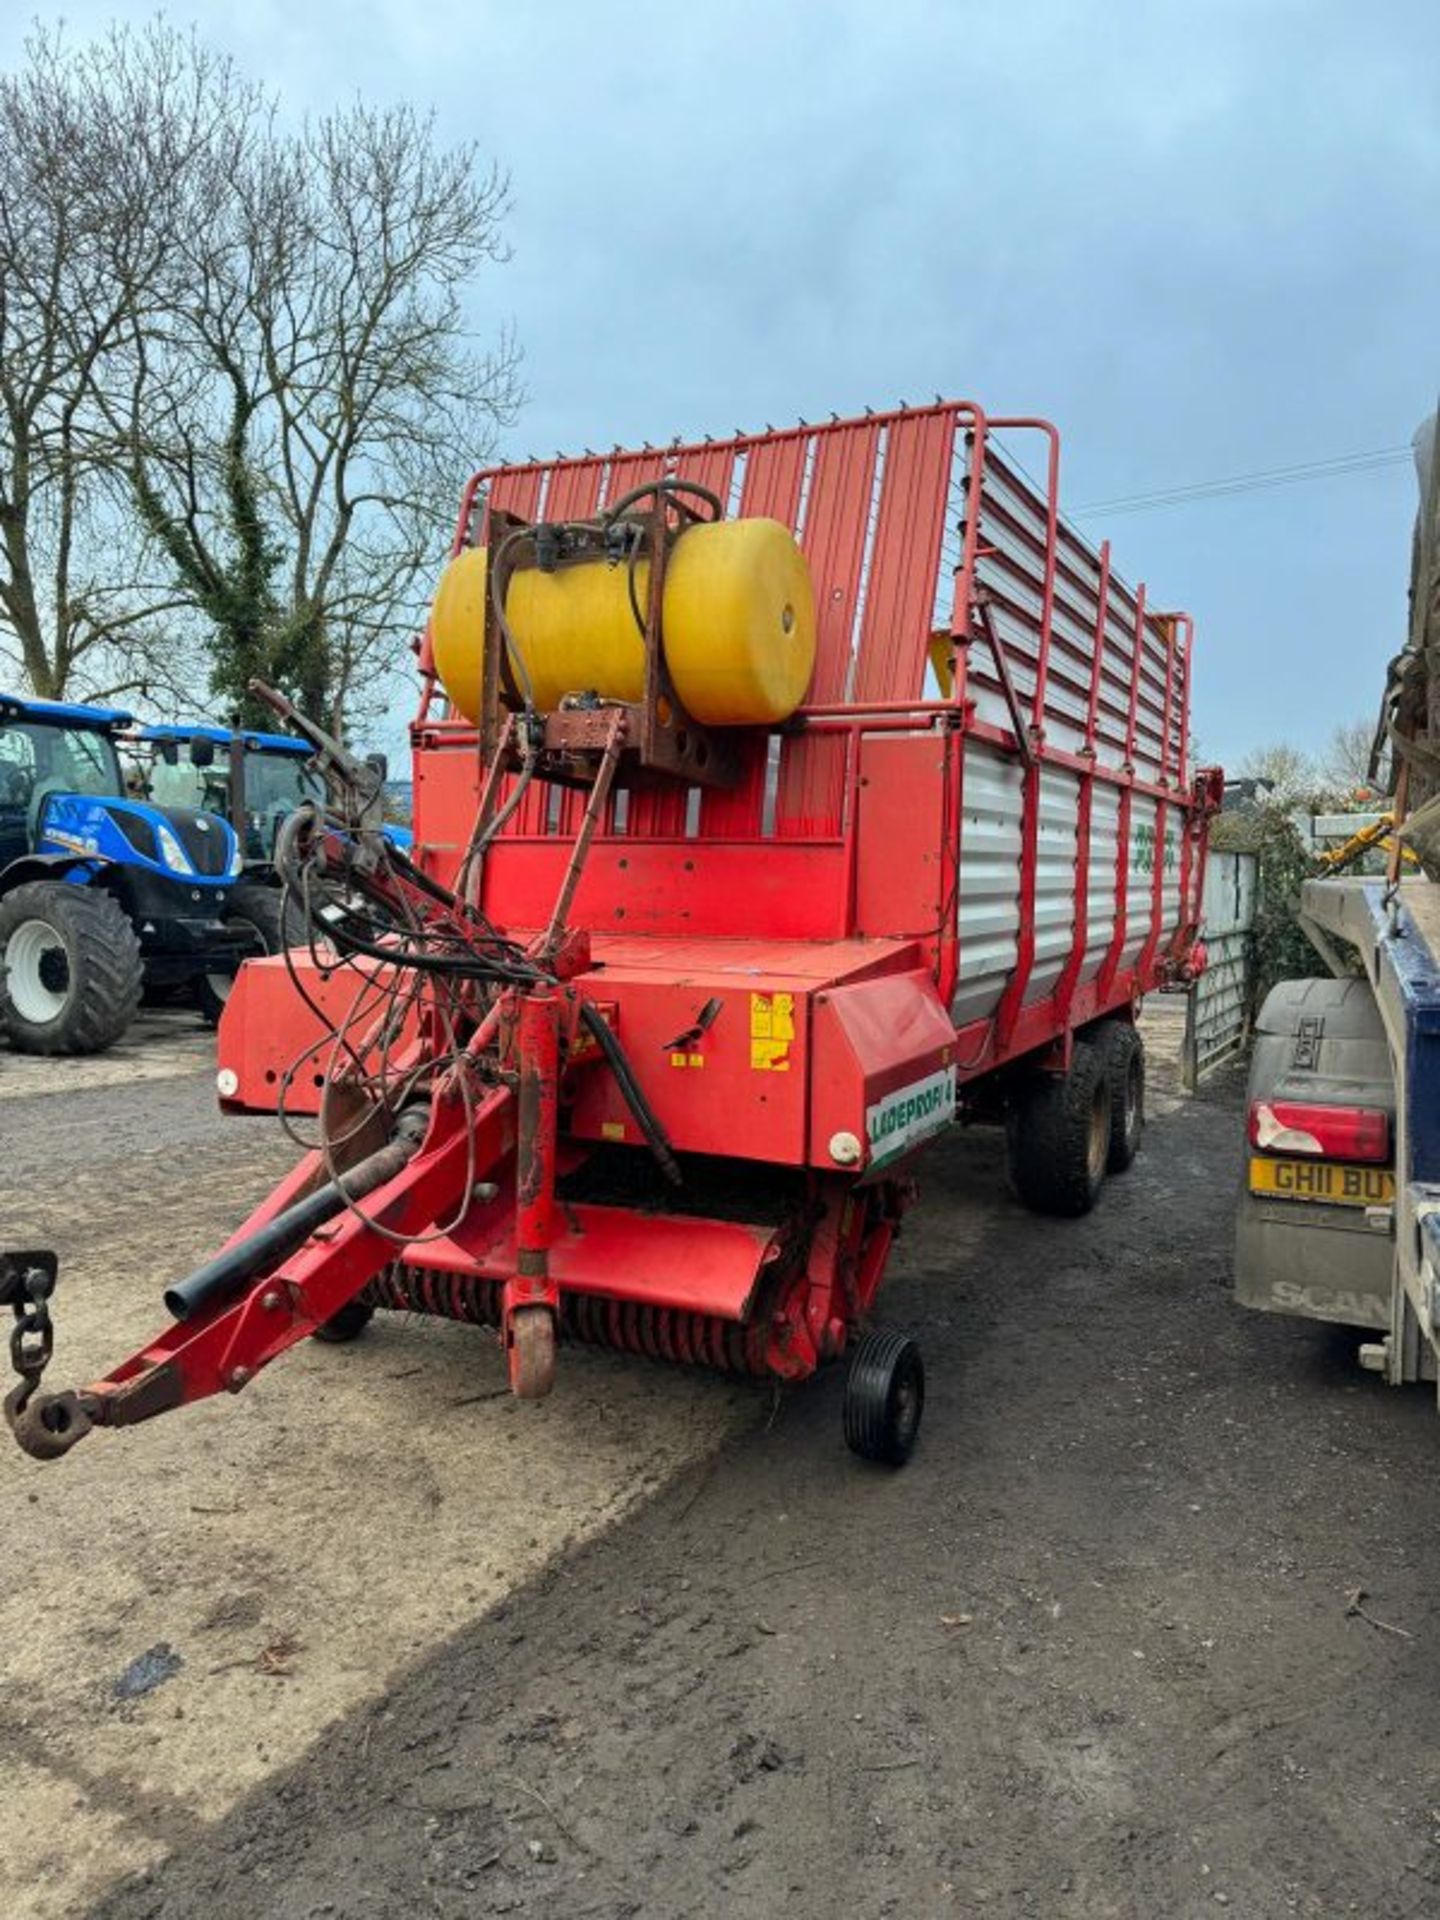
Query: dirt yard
[(661, 1647), (277, 1560)]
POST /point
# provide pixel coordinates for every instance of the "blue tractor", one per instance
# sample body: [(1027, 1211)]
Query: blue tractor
[(255, 781), (102, 894)]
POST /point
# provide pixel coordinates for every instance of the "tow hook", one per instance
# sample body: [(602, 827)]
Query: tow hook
[(45, 1425)]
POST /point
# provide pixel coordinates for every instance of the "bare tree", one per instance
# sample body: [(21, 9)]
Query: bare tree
[(295, 430), (238, 388), (82, 599), (1347, 760), (1292, 773)]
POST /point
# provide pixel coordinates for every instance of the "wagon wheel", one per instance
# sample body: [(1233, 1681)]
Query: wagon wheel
[(531, 1352), (884, 1398)]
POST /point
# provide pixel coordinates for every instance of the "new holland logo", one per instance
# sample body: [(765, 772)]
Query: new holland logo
[(909, 1115)]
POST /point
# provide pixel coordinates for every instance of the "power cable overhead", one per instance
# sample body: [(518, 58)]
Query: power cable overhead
[(1373, 461)]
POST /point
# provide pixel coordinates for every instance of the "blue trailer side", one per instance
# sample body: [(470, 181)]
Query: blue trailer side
[(1394, 932)]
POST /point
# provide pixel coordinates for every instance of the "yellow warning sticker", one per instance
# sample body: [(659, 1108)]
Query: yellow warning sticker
[(687, 1059), (772, 1028), (612, 1129)]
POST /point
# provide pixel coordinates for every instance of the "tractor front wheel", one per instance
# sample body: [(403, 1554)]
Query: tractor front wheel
[(70, 968), (273, 922)]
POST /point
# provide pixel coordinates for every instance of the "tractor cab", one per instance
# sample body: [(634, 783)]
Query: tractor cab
[(253, 780), (49, 748)]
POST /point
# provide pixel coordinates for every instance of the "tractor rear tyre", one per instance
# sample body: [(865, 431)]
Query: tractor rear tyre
[(1058, 1134), (884, 1398), (70, 968), (274, 922), (1125, 1056), (348, 1324)]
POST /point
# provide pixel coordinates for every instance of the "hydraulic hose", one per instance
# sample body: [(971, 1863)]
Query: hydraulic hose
[(658, 489), (223, 1277), (646, 1119)]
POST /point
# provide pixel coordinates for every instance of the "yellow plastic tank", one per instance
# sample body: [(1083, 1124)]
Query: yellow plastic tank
[(737, 626)]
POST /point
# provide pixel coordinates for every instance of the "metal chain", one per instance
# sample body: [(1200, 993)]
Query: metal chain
[(27, 1281), (46, 1425)]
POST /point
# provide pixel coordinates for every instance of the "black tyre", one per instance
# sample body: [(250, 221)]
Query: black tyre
[(1058, 1135), (274, 922), (348, 1324), (884, 1398), (1125, 1061), (70, 968)]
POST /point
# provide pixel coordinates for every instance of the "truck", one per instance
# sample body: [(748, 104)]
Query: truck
[(101, 894), (1338, 1218), (780, 801)]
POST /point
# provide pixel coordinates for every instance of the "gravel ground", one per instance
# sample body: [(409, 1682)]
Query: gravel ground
[(1089, 1655), (186, 1606)]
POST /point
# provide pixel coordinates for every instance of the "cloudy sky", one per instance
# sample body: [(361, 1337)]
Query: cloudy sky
[(1200, 237)]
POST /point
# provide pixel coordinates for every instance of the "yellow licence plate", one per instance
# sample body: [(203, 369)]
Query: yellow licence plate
[(1325, 1181)]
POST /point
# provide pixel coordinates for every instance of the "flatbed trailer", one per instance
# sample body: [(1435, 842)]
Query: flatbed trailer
[(673, 1004)]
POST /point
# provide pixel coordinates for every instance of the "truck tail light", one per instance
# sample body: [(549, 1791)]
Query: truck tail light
[(1327, 1133)]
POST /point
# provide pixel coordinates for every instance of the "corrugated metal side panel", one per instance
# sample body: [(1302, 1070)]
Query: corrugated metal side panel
[(574, 490), (519, 491), (1054, 881), (1140, 880), (989, 894), (1171, 906), (626, 470), (887, 508), (1104, 850), (989, 880)]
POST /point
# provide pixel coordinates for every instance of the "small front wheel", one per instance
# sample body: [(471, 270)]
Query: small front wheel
[(530, 1350), (348, 1324), (884, 1398)]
